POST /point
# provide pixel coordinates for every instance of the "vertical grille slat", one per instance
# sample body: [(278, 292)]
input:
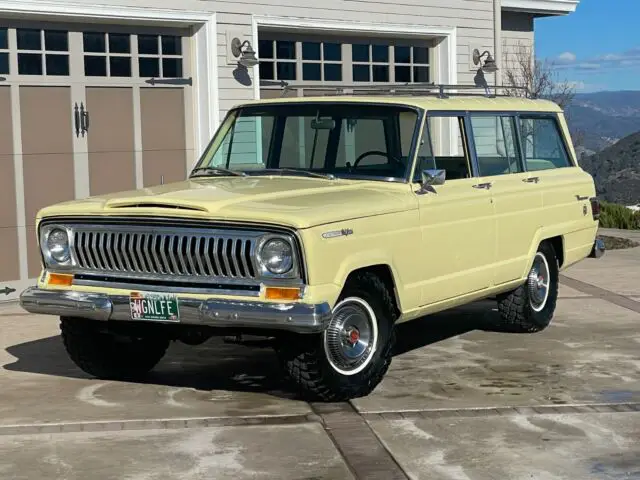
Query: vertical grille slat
[(166, 251)]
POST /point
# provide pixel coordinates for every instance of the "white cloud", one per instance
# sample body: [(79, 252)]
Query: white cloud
[(567, 57)]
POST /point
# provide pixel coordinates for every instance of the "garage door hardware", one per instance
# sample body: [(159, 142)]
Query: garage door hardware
[(7, 290), (439, 90), (170, 81), (81, 119)]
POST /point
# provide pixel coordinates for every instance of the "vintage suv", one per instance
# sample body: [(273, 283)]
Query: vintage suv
[(321, 223)]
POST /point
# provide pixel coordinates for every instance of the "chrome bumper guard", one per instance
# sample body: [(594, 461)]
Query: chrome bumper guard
[(294, 317), (598, 249)]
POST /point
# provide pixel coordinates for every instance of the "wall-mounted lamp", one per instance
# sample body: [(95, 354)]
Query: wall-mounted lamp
[(489, 66), (247, 56)]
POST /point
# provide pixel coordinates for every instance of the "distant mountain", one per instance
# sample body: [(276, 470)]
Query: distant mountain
[(616, 171), (603, 118)]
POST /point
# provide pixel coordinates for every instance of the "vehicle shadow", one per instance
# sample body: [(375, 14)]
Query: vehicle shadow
[(216, 365)]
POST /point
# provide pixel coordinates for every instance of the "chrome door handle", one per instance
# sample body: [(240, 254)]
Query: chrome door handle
[(531, 180), (581, 198), (487, 185)]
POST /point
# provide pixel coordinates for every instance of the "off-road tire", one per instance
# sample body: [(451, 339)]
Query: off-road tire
[(516, 312), (305, 362), (106, 356)]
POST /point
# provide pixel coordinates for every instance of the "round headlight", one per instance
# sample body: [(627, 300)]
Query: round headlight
[(277, 256), (58, 245)]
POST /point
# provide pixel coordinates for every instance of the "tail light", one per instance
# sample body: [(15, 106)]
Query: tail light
[(595, 208)]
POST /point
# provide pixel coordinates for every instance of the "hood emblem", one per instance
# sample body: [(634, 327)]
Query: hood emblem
[(338, 233)]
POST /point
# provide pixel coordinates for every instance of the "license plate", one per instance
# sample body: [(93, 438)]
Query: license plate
[(154, 306)]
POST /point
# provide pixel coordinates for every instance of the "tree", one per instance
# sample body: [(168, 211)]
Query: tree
[(526, 75)]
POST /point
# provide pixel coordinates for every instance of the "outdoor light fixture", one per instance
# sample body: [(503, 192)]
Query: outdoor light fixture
[(489, 66), (248, 56)]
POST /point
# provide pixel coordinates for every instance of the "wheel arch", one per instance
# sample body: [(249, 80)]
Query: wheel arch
[(385, 273), (556, 241)]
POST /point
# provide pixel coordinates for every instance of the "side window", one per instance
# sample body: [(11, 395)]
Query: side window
[(496, 147), (542, 144), (446, 150)]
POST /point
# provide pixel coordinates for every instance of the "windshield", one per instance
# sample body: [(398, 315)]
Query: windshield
[(348, 140)]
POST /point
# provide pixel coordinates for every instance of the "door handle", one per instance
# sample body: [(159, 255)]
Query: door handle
[(486, 185), (84, 119), (581, 198), (76, 117), (531, 180)]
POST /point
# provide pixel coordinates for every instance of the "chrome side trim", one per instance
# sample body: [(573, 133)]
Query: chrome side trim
[(294, 317)]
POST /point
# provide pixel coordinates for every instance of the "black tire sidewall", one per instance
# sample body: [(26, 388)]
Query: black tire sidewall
[(380, 357)]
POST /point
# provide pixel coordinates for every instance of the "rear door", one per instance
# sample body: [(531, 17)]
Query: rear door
[(517, 201)]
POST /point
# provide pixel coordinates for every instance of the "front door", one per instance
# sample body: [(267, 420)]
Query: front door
[(457, 219), (516, 197)]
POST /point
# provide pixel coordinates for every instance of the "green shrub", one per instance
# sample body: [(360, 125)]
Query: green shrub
[(613, 215)]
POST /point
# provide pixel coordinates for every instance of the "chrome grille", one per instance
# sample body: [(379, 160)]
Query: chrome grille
[(188, 253)]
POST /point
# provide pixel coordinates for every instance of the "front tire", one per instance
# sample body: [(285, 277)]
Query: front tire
[(530, 307), (109, 356), (350, 358)]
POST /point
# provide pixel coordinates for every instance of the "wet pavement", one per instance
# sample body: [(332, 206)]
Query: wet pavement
[(461, 401)]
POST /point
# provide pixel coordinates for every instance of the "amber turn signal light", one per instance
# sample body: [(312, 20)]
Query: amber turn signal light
[(278, 293), (60, 279)]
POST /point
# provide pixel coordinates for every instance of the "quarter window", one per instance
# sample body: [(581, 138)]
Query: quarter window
[(496, 146), (42, 52), (542, 144)]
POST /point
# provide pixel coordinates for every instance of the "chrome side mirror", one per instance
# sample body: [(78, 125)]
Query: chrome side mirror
[(431, 178)]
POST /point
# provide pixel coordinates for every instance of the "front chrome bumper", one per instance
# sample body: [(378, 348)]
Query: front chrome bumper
[(598, 249), (294, 317)]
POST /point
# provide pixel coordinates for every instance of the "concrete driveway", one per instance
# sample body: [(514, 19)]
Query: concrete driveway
[(460, 402)]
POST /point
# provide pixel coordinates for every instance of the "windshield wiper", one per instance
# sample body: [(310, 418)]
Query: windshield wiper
[(299, 172), (216, 170)]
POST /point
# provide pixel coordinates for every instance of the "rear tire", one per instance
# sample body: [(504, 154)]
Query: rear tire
[(352, 356), (108, 356), (530, 307)]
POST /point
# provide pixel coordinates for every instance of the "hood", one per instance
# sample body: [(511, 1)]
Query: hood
[(280, 200)]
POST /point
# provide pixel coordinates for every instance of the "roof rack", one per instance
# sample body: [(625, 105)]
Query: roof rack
[(439, 90)]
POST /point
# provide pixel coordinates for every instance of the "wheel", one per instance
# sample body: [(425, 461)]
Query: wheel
[(350, 358), (108, 356), (530, 307)]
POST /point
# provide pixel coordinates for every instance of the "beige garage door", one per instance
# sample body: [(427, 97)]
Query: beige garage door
[(86, 110)]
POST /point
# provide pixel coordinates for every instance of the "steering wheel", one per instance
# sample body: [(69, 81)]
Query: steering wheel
[(392, 159)]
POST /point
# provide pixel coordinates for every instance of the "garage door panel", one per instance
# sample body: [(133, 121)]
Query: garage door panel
[(47, 145), (9, 266), (110, 140), (163, 135)]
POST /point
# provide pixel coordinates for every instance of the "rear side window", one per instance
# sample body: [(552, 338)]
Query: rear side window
[(496, 144), (542, 144)]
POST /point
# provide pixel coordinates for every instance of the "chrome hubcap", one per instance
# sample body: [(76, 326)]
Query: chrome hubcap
[(351, 337), (538, 282)]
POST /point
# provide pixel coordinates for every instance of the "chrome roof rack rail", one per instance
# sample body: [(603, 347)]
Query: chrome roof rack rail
[(404, 89)]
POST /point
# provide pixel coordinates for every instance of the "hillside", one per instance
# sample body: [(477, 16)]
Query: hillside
[(616, 170), (604, 117)]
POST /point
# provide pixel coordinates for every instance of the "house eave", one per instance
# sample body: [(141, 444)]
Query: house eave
[(541, 7)]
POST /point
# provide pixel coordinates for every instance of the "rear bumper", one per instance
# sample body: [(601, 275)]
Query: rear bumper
[(294, 317), (598, 249)]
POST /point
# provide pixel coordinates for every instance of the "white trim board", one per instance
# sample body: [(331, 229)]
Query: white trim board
[(446, 53), (205, 71), (548, 7)]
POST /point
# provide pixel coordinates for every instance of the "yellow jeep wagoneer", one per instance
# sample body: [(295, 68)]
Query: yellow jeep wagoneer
[(321, 223)]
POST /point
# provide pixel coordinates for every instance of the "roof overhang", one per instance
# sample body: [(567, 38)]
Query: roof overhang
[(541, 7)]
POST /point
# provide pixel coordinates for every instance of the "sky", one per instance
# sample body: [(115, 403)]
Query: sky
[(597, 46)]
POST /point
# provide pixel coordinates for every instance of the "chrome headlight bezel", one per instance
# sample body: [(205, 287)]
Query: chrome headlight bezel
[(49, 259), (263, 270)]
